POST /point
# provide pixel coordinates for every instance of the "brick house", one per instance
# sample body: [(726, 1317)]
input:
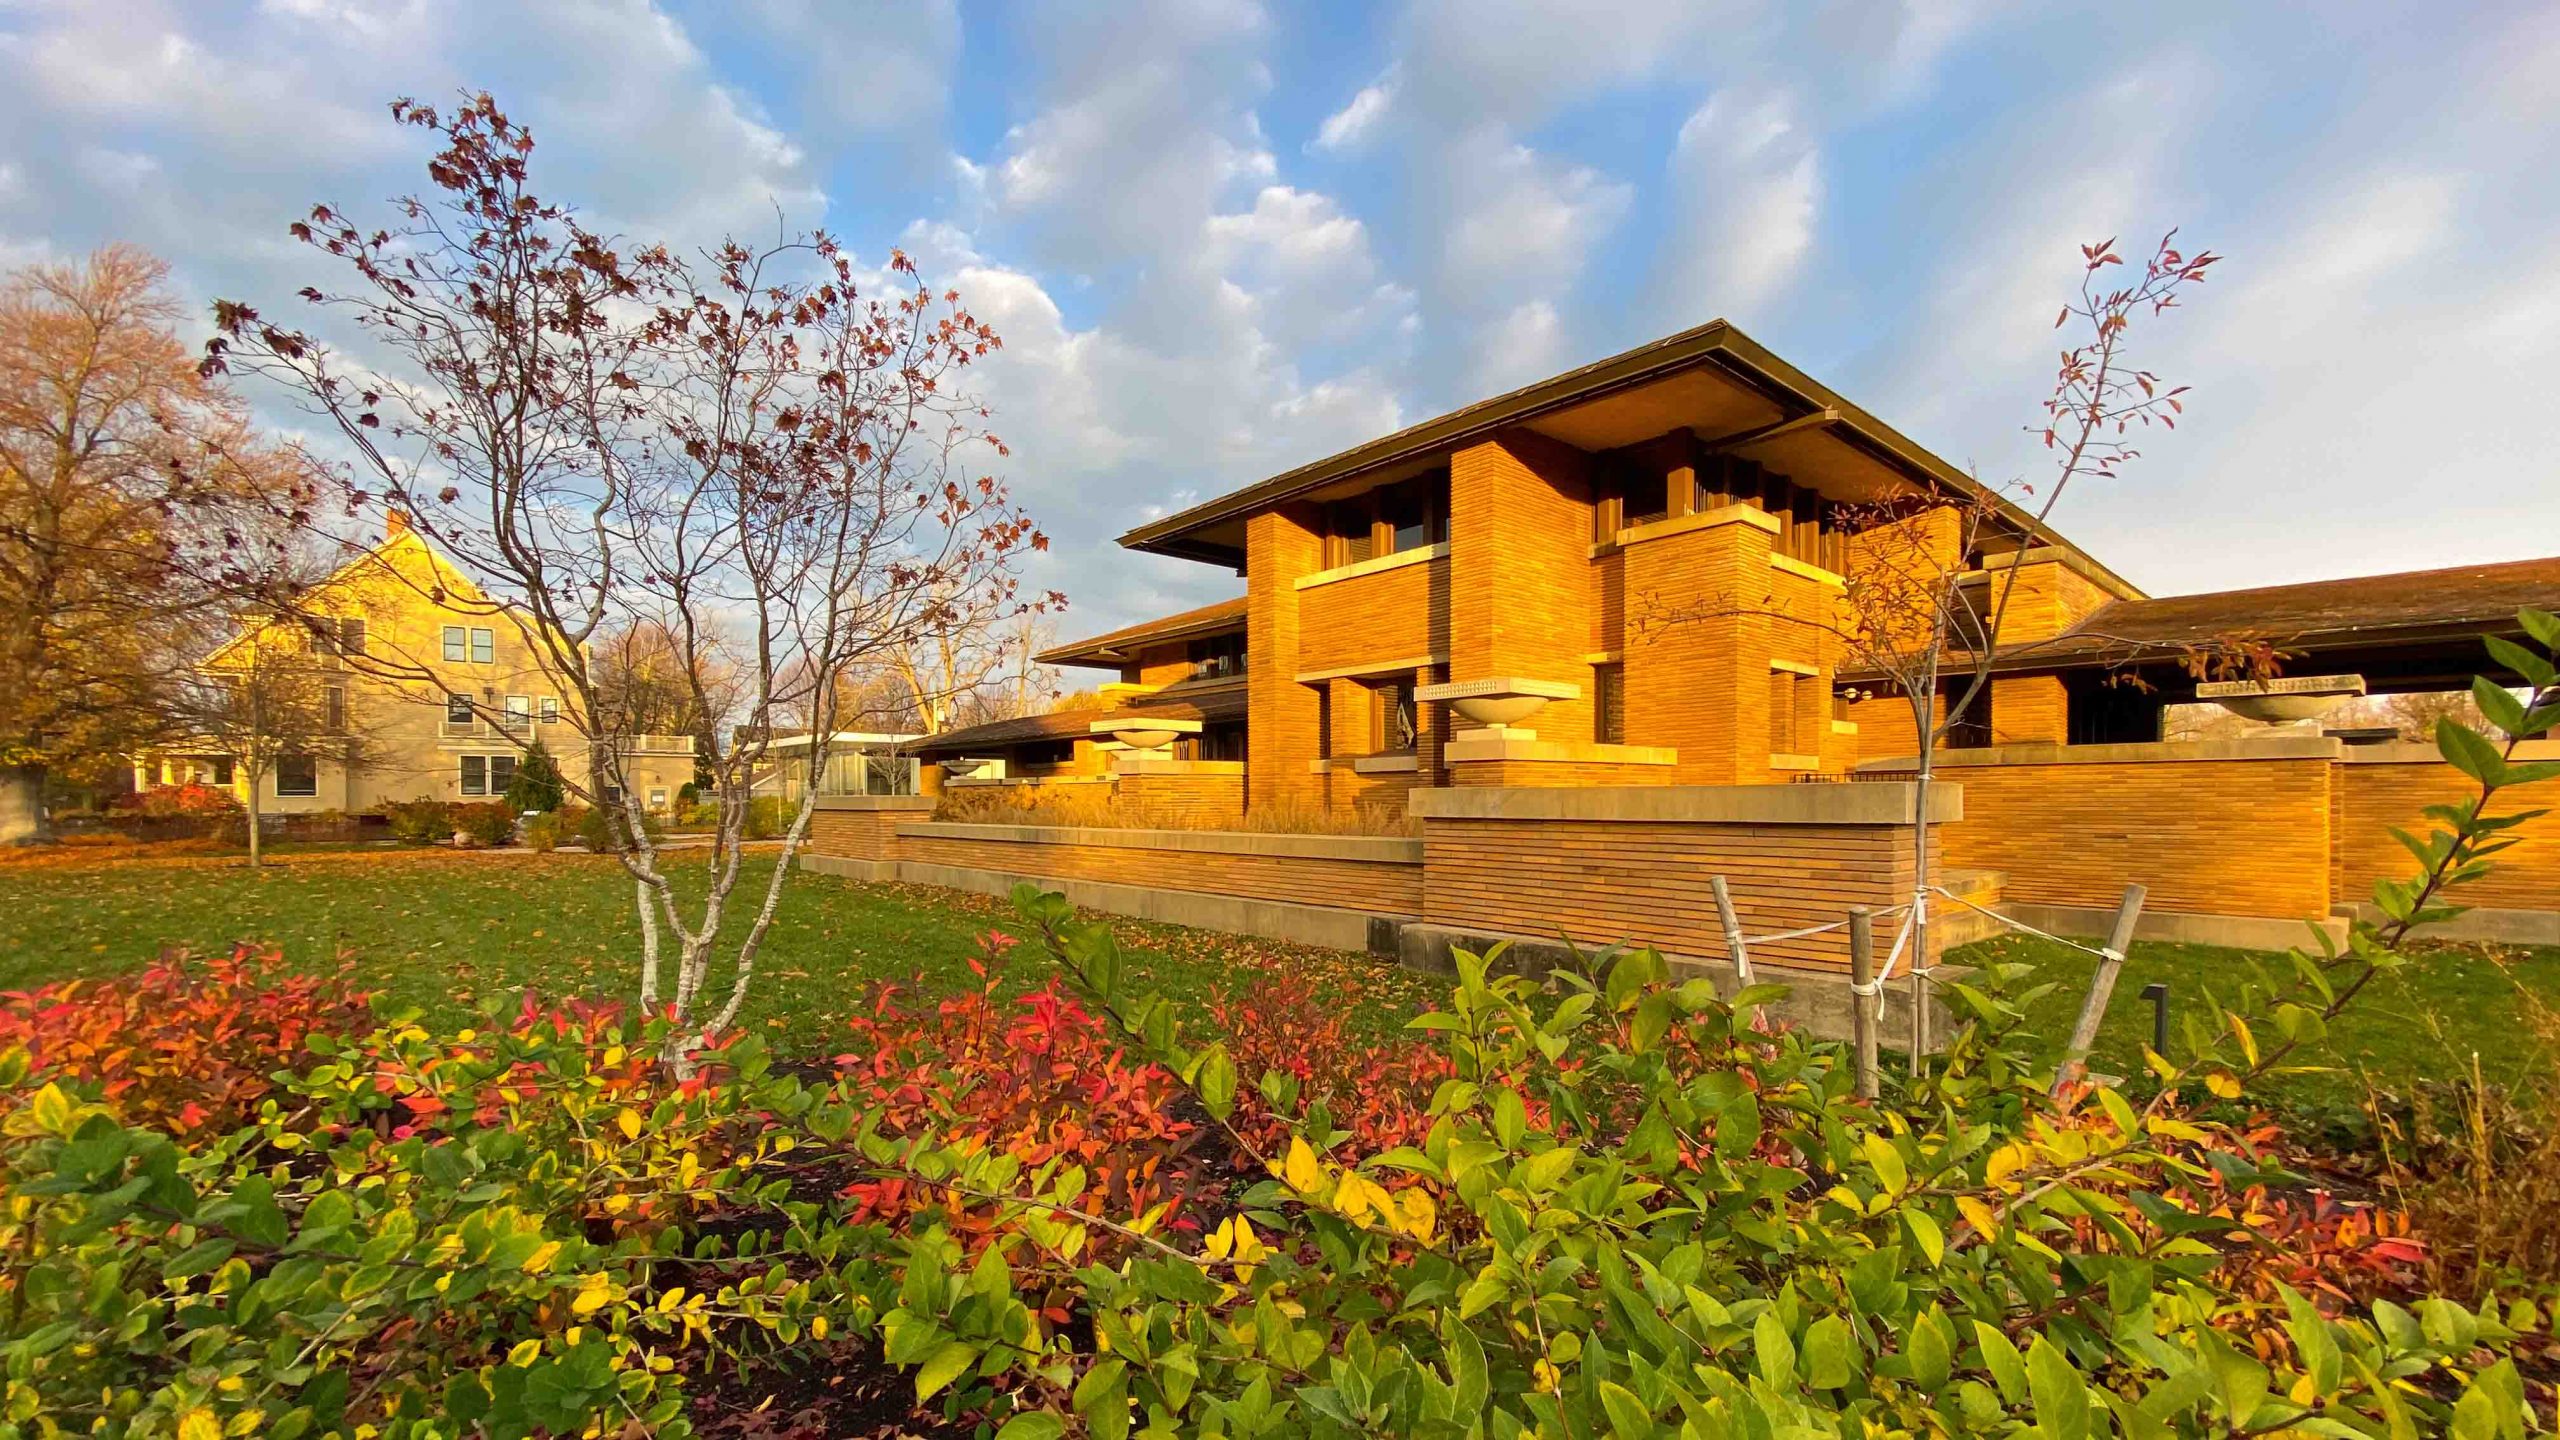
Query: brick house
[(1560, 639), (1615, 550)]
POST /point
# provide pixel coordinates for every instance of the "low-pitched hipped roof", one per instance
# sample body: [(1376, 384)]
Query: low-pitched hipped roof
[(1732, 391), (1210, 702), (1111, 649), (2451, 606)]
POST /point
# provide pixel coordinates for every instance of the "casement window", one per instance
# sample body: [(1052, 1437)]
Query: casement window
[(1397, 731), (487, 774), (1390, 520), (297, 777), (484, 646), (1609, 704), (550, 707), (1217, 656), (457, 709), (1972, 729), (1784, 733), (456, 644), (334, 701)]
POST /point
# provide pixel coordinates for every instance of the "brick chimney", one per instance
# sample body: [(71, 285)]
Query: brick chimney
[(395, 523)]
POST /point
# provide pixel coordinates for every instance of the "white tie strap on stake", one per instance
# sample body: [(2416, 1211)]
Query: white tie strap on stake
[(1733, 937)]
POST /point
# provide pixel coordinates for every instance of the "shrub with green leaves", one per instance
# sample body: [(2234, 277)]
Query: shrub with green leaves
[(1633, 1209)]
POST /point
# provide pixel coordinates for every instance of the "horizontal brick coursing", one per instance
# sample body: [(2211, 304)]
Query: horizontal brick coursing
[(2371, 798), (1558, 773), (1394, 614), (856, 834), (1380, 888), (1193, 801), (1602, 882), (2231, 837)]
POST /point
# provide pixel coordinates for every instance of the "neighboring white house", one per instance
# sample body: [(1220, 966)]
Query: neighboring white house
[(859, 762)]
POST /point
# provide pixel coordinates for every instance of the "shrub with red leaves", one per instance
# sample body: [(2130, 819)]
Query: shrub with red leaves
[(191, 799), (186, 1044), (1038, 1077)]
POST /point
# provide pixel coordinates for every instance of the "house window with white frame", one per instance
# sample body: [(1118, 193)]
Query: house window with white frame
[(550, 707), (484, 646), (456, 644), (297, 777)]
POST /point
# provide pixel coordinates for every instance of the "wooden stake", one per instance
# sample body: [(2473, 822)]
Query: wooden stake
[(1863, 1008), (2102, 987), (1732, 929)]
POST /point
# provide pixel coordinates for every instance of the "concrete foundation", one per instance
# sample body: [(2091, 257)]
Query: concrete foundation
[(2498, 927), (2237, 932)]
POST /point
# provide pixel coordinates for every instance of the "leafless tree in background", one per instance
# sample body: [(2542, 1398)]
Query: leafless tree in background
[(763, 451)]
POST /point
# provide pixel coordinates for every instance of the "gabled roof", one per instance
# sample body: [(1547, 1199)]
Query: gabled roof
[(1726, 387), (1111, 650), (1205, 702), (380, 558)]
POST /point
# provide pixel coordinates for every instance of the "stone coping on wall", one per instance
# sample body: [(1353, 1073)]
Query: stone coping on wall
[(1420, 555), (916, 803), (2402, 752), (1880, 803), (1360, 849), (1672, 525), (1131, 762), (2278, 747), (1402, 762), (1475, 746)]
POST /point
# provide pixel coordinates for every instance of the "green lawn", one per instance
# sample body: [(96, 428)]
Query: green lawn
[(442, 931), (2428, 1020)]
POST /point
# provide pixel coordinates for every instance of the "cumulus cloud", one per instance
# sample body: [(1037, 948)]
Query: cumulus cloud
[(1746, 187)]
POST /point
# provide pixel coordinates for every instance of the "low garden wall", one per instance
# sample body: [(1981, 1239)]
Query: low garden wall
[(1344, 891), (1633, 863), (2238, 842), (2375, 787)]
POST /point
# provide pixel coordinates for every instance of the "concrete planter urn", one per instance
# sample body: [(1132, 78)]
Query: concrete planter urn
[(1500, 702), (1145, 732), (961, 769), (2291, 697)]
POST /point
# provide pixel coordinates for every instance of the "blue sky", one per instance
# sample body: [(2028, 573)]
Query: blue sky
[(1222, 238)]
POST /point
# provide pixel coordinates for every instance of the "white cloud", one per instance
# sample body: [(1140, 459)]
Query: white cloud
[(1746, 189), (1348, 127)]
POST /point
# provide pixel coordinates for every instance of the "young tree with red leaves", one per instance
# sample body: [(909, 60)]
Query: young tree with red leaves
[(761, 452)]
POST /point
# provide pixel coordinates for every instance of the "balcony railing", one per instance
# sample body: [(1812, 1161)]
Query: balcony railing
[(655, 744)]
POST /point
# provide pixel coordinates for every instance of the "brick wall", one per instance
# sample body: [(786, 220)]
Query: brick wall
[(1697, 647), (1520, 584), (1220, 865), (1550, 772), (1647, 881), (2207, 836), (2372, 795), (861, 828), (1280, 546), (2031, 709), (1395, 614), (1191, 798)]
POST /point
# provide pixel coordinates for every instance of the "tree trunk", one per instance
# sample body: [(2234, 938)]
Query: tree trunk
[(22, 817), (254, 827)]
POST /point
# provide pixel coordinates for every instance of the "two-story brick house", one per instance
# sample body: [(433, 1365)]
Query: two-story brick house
[(438, 692), (1609, 569), (1614, 552)]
